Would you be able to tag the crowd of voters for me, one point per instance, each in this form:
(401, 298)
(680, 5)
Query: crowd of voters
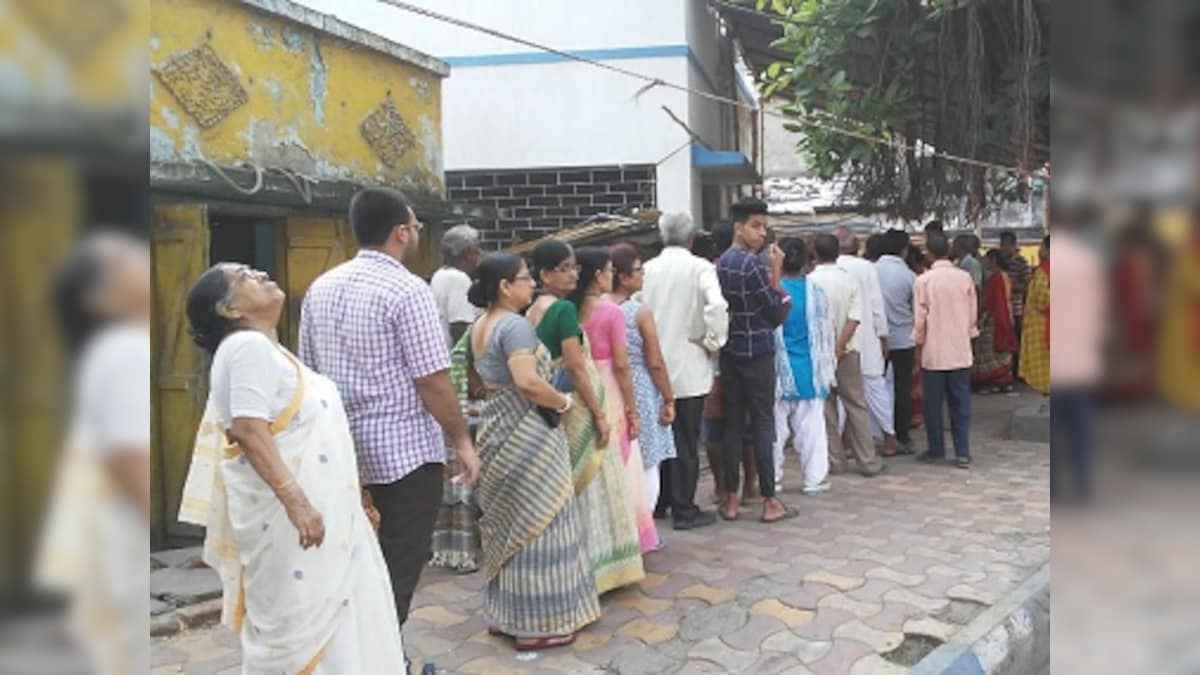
(574, 391)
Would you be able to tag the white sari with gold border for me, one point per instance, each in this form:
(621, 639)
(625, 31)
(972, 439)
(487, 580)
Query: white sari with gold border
(327, 609)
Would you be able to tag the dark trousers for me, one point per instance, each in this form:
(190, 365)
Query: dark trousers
(953, 387)
(679, 475)
(408, 509)
(901, 361)
(1072, 423)
(749, 393)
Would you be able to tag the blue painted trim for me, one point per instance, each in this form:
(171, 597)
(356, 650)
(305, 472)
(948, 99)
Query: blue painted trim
(703, 158)
(613, 54)
(525, 58)
(966, 664)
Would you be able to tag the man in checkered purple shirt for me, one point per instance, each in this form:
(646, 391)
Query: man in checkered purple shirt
(372, 327)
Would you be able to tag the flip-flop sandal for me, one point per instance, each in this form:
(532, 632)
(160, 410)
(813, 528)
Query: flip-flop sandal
(496, 632)
(549, 642)
(788, 514)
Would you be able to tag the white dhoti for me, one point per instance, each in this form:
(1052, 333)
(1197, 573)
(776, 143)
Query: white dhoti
(880, 402)
(804, 422)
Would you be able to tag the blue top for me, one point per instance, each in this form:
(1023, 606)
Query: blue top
(753, 305)
(896, 281)
(795, 338)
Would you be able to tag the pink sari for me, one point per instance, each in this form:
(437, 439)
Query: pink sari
(605, 330)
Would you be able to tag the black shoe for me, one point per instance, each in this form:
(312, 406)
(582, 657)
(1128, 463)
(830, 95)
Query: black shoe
(701, 519)
(929, 458)
(661, 514)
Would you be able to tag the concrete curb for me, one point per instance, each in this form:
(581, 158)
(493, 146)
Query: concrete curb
(198, 615)
(1010, 637)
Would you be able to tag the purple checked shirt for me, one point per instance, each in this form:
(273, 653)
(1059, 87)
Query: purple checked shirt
(372, 327)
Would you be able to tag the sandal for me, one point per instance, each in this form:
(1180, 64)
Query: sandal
(548, 642)
(496, 632)
(788, 514)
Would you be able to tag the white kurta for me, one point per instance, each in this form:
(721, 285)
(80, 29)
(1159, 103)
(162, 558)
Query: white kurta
(874, 320)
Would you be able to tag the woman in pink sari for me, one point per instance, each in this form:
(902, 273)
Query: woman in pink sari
(604, 323)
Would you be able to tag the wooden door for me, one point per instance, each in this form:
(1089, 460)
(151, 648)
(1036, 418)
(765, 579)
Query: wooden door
(311, 245)
(180, 256)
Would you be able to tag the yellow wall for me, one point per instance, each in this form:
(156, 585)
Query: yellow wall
(308, 92)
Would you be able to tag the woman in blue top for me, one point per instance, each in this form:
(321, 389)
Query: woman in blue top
(804, 367)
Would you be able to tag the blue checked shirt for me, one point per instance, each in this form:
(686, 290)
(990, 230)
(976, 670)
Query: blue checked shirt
(372, 327)
(754, 306)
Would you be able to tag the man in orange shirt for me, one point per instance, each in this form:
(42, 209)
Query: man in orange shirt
(944, 323)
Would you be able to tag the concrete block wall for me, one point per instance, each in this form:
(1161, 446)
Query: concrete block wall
(535, 202)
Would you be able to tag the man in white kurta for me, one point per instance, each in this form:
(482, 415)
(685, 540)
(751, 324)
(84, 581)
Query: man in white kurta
(871, 339)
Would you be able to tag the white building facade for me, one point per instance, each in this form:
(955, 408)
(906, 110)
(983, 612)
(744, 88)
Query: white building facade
(550, 141)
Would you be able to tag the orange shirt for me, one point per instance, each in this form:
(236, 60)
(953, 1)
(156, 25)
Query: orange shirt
(945, 317)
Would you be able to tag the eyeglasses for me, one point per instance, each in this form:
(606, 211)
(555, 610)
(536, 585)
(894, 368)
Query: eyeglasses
(523, 277)
(415, 225)
(567, 267)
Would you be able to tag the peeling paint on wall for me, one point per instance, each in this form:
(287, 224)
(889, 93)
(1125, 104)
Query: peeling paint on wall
(419, 85)
(162, 146)
(262, 36)
(170, 117)
(431, 140)
(316, 89)
(274, 88)
(293, 39)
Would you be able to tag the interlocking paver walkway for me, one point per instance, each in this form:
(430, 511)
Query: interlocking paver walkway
(921, 549)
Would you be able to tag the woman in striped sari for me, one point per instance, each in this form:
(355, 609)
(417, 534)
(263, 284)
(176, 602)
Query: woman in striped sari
(539, 588)
(610, 534)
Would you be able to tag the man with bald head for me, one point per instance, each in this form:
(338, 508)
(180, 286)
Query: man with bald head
(870, 340)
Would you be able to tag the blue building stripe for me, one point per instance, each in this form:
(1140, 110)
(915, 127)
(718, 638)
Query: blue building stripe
(525, 58)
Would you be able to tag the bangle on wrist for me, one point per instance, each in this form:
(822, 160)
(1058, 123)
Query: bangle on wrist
(284, 485)
(566, 404)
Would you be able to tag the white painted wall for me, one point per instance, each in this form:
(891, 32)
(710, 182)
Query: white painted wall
(562, 114)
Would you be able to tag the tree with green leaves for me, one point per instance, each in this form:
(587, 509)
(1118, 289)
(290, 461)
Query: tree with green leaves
(885, 91)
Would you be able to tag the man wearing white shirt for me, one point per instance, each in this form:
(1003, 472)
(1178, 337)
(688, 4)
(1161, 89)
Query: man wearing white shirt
(871, 338)
(683, 293)
(845, 303)
(461, 254)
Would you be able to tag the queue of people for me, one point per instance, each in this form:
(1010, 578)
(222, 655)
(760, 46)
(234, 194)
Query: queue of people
(585, 374)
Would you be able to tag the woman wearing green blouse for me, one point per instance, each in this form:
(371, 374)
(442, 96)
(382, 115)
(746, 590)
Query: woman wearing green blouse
(610, 533)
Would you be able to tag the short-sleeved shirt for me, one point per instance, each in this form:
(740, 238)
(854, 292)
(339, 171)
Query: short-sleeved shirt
(896, 281)
(372, 327)
(511, 334)
(560, 322)
(841, 288)
(450, 286)
(112, 391)
(753, 304)
(605, 329)
(251, 377)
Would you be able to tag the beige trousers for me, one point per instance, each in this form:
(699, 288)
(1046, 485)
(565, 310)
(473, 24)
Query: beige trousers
(851, 391)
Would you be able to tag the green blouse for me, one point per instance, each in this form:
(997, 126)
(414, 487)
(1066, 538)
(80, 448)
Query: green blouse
(560, 322)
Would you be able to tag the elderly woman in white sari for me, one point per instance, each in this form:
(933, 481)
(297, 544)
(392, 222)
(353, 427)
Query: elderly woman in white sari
(274, 480)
